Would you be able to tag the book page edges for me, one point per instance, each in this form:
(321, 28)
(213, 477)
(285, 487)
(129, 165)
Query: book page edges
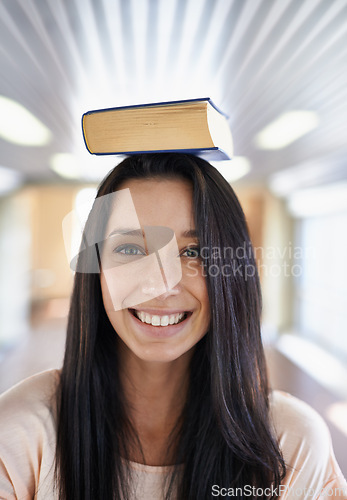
(156, 128)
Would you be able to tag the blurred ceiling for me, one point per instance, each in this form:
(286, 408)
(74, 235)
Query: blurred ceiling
(255, 58)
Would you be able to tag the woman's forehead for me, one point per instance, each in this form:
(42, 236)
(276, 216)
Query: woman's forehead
(152, 202)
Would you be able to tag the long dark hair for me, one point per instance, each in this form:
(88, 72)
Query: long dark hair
(226, 437)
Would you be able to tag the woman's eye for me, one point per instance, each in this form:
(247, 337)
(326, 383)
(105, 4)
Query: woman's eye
(191, 253)
(129, 250)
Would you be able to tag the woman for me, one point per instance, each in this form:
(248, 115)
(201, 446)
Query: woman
(163, 392)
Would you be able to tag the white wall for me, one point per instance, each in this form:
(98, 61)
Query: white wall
(15, 260)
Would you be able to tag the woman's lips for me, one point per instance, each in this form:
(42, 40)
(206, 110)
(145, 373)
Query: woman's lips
(159, 318)
(166, 323)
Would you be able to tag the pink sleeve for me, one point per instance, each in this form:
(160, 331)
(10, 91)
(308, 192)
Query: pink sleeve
(336, 486)
(304, 438)
(27, 439)
(6, 486)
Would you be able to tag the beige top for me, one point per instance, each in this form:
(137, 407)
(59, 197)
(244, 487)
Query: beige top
(28, 433)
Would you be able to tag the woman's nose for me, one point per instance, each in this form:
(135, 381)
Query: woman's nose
(161, 242)
(155, 291)
(160, 282)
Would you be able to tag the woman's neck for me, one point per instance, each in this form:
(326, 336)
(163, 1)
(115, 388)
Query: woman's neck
(156, 394)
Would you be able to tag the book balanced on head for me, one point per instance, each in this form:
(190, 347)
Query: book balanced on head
(192, 126)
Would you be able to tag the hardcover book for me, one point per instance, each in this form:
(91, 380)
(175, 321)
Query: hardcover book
(193, 126)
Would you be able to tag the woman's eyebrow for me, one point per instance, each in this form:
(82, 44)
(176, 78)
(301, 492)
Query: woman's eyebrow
(191, 233)
(127, 231)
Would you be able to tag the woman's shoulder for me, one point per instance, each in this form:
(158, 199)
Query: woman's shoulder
(296, 422)
(27, 436)
(289, 412)
(305, 442)
(29, 404)
(37, 391)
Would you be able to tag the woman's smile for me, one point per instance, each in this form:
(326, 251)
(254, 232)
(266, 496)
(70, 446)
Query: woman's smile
(160, 324)
(160, 318)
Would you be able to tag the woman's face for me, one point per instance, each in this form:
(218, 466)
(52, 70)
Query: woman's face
(152, 284)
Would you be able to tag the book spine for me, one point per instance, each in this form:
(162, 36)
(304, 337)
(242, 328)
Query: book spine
(217, 109)
(209, 154)
(149, 105)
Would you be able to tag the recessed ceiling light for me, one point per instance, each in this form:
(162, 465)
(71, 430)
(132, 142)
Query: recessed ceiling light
(286, 129)
(84, 167)
(9, 180)
(234, 169)
(66, 165)
(19, 126)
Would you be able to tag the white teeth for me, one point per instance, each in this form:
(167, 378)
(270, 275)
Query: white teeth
(141, 316)
(157, 320)
(164, 320)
